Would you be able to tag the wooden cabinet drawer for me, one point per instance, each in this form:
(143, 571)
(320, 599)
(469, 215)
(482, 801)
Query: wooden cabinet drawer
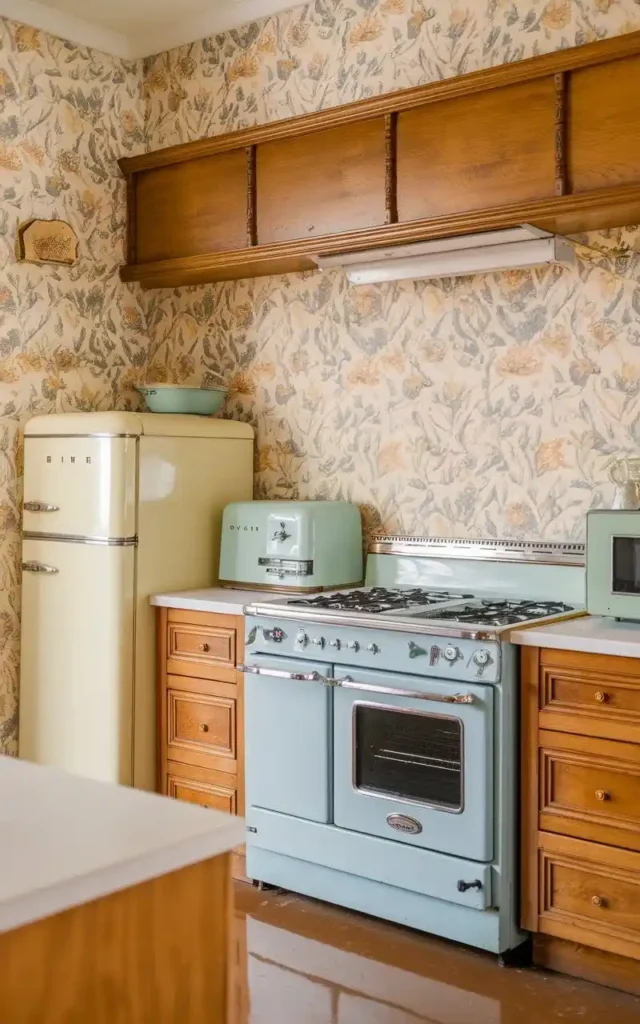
(590, 894)
(219, 798)
(589, 694)
(197, 647)
(202, 728)
(201, 786)
(590, 788)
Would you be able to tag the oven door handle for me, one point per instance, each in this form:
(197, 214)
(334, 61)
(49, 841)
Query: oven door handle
(256, 670)
(348, 684)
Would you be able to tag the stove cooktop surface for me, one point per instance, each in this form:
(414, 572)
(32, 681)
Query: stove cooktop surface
(376, 600)
(496, 612)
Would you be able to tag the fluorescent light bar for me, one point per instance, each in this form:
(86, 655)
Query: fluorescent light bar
(464, 262)
(523, 233)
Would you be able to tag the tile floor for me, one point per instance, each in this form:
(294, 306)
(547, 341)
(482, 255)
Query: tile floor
(303, 962)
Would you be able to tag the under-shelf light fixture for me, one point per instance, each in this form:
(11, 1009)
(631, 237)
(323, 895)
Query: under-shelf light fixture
(488, 251)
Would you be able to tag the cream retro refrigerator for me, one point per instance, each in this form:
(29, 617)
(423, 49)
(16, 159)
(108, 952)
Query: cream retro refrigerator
(117, 506)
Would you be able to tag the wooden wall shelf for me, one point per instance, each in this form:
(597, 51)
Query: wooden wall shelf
(552, 141)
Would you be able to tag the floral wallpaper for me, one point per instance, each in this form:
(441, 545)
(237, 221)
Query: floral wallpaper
(69, 337)
(484, 406)
(481, 406)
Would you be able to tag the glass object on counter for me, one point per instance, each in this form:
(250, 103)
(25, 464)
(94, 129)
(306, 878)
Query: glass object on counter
(625, 474)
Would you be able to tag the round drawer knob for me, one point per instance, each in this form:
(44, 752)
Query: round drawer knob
(204, 647)
(598, 901)
(601, 794)
(204, 727)
(601, 697)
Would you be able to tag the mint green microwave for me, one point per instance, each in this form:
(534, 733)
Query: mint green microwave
(613, 563)
(291, 545)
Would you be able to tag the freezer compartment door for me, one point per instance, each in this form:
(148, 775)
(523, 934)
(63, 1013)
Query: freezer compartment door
(76, 677)
(80, 486)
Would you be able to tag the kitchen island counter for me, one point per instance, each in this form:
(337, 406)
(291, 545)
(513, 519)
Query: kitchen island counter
(589, 634)
(115, 904)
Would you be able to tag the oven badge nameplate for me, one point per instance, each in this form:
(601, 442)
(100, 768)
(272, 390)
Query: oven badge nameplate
(403, 823)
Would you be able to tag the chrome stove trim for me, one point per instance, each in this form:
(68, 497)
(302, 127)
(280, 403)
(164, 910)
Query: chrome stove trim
(357, 620)
(541, 552)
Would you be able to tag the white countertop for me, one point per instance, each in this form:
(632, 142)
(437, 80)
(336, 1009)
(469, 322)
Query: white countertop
(66, 840)
(222, 600)
(591, 634)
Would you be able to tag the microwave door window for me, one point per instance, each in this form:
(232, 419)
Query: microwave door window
(626, 565)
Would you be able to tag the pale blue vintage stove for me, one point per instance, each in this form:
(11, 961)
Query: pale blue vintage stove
(382, 733)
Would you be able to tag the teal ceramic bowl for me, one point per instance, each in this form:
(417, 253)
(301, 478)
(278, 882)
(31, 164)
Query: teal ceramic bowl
(182, 399)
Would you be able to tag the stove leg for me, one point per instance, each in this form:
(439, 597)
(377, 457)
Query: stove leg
(265, 886)
(521, 956)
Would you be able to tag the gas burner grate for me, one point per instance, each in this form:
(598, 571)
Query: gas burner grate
(490, 612)
(374, 600)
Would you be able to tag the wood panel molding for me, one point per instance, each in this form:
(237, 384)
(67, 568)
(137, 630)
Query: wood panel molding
(498, 77)
(563, 214)
(553, 141)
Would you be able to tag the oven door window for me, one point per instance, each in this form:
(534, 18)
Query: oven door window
(409, 755)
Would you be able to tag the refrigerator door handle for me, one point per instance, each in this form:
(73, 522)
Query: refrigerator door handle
(38, 567)
(40, 506)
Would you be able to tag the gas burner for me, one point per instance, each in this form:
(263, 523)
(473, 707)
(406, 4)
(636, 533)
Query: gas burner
(375, 600)
(494, 612)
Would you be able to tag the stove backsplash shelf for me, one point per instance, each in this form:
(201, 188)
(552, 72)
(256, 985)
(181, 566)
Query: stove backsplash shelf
(541, 552)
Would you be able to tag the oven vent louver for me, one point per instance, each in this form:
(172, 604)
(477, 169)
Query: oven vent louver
(547, 552)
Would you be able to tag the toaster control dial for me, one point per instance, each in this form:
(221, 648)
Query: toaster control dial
(302, 639)
(276, 634)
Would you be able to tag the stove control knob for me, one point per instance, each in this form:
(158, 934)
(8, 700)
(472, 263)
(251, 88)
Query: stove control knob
(319, 641)
(482, 658)
(302, 639)
(373, 648)
(335, 643)
(276, 634)
(451, 653)
(353, 645)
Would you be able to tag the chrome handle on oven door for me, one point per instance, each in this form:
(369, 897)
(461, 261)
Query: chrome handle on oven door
(256, 670)
(38, 567)
(454, 698)
(40, 506)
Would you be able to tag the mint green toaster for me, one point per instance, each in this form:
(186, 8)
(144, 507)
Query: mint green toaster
(291, 545)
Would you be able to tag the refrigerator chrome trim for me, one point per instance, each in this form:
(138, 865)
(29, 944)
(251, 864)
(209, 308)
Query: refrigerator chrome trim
(45, 436)
(541, 552)
(75, 538)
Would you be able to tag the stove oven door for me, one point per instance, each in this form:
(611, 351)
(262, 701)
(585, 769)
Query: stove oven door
(413, 764)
